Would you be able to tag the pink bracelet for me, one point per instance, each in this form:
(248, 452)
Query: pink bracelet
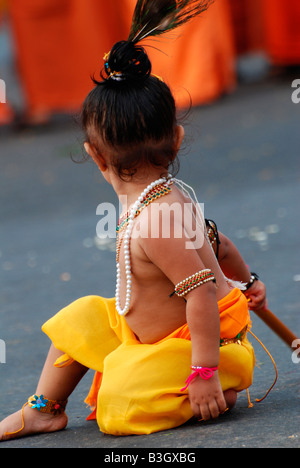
(205, 373)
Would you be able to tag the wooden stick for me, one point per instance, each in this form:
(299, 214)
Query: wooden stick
(277, 326)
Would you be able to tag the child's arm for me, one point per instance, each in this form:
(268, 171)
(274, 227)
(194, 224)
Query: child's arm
(235, 268)
(206, 396)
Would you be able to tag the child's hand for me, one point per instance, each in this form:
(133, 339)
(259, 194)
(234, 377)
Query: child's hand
(256, 296)
(207, 398)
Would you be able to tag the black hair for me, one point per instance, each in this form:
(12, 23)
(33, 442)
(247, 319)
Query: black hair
(132, 111)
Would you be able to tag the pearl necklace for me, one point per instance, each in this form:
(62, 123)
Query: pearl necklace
(126, 241)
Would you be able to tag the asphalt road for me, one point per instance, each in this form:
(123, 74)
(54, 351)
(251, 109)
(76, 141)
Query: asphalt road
(242, 157)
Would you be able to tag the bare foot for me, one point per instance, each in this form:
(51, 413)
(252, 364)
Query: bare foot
(34, 423)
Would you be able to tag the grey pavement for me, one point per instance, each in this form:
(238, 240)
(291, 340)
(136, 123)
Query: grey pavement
(242, 157)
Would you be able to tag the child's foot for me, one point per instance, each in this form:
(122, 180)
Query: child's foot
(230, 397)
(34, 423)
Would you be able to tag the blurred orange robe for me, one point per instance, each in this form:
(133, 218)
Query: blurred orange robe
(282, 31)
(247, 20)
(272, 26)
(6, 112)
(60, 44)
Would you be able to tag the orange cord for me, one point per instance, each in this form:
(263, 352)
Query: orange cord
(23, 423)
(250, 404)
(275, 367)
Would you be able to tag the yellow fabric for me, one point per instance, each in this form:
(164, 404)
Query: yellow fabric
(138, 391)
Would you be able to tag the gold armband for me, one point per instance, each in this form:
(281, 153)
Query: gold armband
(192, 282)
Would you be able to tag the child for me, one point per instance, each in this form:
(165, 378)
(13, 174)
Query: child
(174, 307)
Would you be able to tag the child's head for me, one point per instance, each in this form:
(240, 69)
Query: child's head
(131, 114)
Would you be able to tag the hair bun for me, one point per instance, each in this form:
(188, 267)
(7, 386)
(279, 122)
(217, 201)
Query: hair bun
(127, 61)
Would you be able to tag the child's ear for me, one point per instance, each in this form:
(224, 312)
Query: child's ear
(179, 136)
(97, 158)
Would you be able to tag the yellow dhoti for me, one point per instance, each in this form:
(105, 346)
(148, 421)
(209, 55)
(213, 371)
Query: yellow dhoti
(136, 389)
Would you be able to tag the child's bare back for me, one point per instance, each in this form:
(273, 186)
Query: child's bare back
(158, 252)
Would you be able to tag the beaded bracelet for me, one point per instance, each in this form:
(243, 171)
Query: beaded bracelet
(45, 405)
(254, 277)
(205, 373)
(192, 282)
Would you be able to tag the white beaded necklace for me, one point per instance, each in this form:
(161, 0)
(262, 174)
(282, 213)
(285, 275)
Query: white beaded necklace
(126, 240)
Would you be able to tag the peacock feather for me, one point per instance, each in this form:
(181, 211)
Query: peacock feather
(155, 17)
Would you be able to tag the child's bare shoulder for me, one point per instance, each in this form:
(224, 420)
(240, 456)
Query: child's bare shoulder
(162, 215)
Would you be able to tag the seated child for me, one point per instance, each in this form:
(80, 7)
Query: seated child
(175, 309)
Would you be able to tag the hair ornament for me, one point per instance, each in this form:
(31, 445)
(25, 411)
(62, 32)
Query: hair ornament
(158, 77)
(117, 76)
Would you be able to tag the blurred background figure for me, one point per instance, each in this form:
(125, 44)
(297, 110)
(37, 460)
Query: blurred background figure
(6, 112)
(269, 26)
(247, 25)
(59, 44)
(282, 31)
